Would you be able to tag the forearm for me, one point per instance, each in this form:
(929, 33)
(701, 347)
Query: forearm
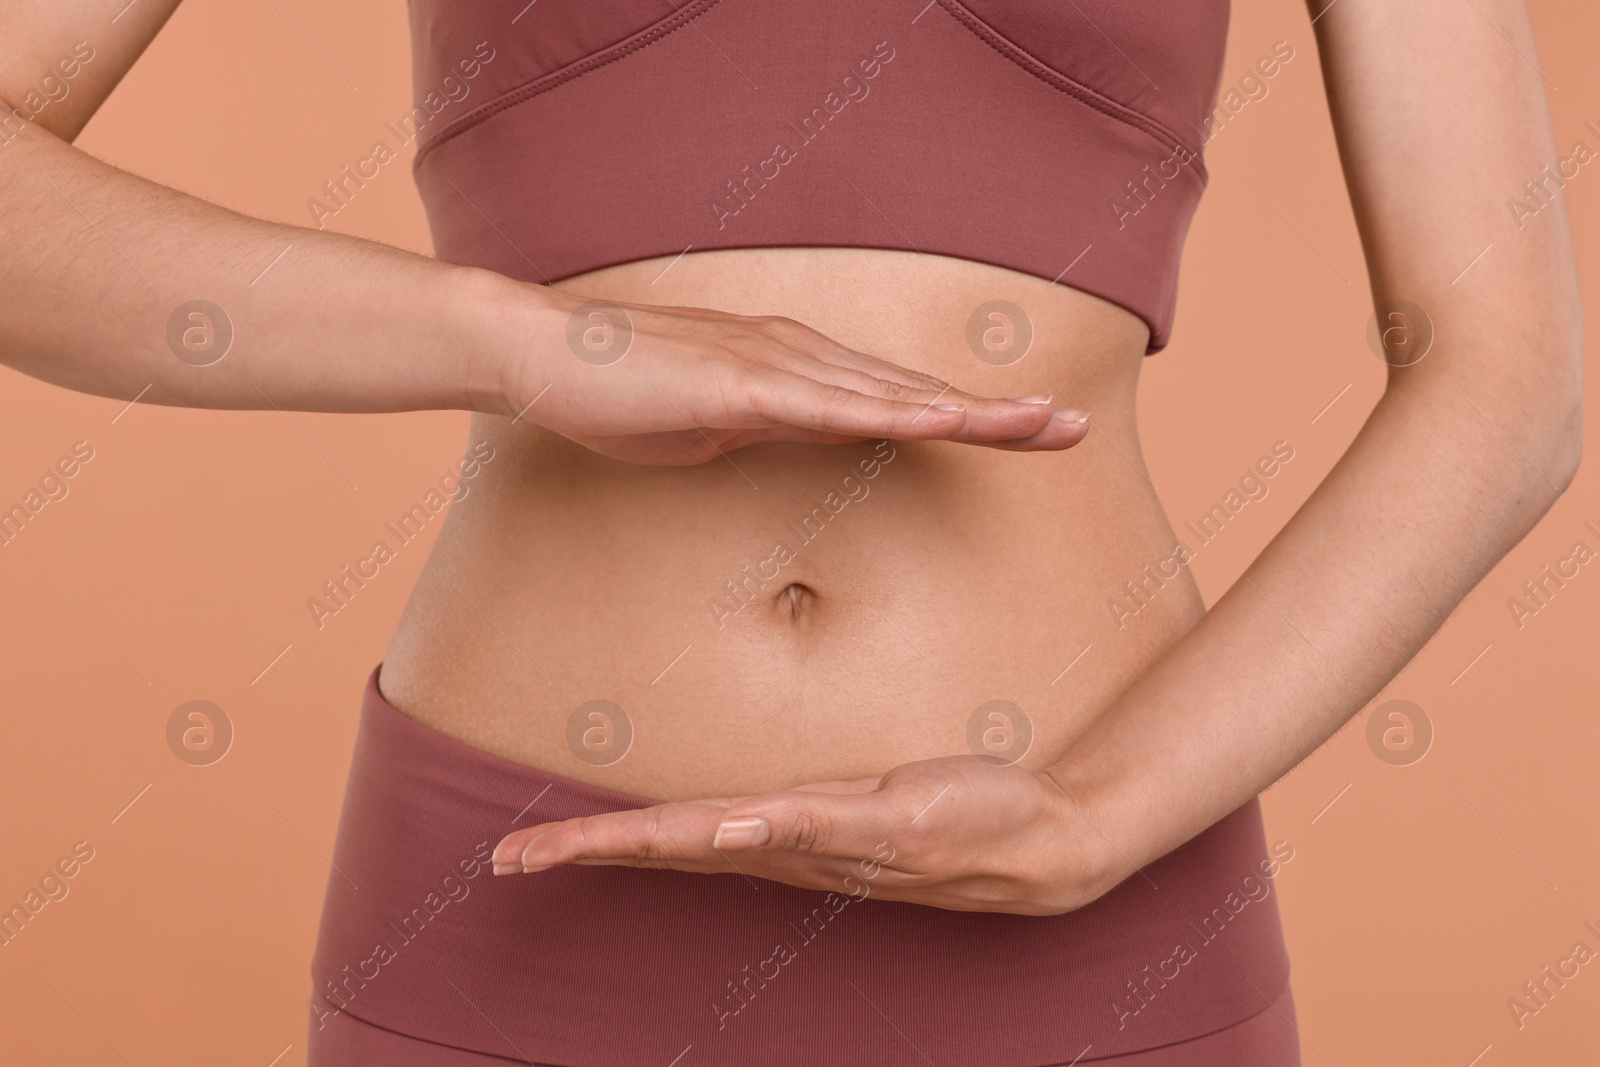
(1466, 450)
(1427, 499)
(98, 263)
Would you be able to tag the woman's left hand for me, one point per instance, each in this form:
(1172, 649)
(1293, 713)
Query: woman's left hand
(961, 833)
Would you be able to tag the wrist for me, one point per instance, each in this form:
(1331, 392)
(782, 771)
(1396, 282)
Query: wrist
(1094, 832)
(514, 330)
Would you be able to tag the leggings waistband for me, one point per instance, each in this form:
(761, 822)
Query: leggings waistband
(592, 966)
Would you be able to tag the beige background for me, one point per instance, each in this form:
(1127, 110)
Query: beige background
(179, 564)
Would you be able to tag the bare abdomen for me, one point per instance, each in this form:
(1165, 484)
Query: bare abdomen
(799, 613)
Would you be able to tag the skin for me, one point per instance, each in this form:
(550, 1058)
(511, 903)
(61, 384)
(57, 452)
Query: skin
(1183, 722)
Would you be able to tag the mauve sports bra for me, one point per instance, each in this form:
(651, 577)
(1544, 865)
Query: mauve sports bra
(1060, 138)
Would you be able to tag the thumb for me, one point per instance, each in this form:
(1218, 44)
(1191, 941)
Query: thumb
(844, 824)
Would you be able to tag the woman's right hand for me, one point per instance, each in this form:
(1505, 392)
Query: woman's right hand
(679, 385)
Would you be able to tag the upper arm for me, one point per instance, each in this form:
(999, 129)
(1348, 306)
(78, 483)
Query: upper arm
(60, 59)
(1441, 119)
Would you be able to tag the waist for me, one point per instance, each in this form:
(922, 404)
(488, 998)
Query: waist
(796, 613)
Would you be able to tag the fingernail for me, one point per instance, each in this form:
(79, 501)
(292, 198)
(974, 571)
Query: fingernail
(536, 870)
(1036, 398)
(1070, 415)
(951, 407)
(507, 868)
(745, 832)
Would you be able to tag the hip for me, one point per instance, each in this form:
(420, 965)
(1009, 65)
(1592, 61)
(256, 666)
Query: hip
(583, 965)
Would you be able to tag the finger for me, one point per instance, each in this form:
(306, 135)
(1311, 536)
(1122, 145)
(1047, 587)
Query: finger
(864, 375)
(654, 838)
(836, 786)
(1041, 424)
(805, 352)
(861, 362)
(839, 409)
(880, 378)
(690, 447)
(675, 831)
(845, 825)
(989, 418)
(665, 835)
(893, 388)
(1064, 431)
(822, 348)
(791, 434)
(1058, 434)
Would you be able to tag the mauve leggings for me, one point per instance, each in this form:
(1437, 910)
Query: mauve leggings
(427, 960)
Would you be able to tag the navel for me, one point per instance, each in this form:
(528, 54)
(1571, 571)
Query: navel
(795, 599)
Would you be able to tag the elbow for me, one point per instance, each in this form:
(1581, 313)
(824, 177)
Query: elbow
(1556, 448)
(1565, 446)
(1530, 418)
(1543, 401)
(1567, 449)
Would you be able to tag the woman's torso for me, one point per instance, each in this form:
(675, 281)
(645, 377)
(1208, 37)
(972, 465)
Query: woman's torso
(932, 578)
(880, 171)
